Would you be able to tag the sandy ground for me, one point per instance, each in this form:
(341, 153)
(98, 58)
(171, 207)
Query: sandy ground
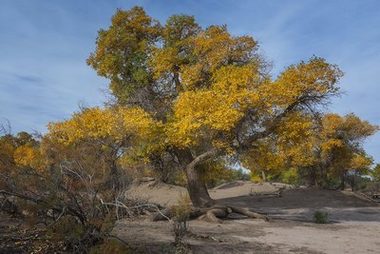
(167, 195)
(354, 227)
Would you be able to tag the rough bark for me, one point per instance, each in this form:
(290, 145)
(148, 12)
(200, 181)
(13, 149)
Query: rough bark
(197, 189)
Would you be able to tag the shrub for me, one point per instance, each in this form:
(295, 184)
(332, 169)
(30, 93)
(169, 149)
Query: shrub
(181, 213)
(321, 217)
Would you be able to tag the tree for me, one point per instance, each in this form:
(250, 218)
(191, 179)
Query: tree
(341, 149)
(322, 149)
(20, 150)
(376, 173)
(209, 90)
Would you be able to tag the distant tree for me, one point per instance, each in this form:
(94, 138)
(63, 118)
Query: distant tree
(375, 173)
(341, 149)
(20, 150)
(319, 149)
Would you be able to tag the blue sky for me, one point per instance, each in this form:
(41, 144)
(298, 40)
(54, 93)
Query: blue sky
(44, 45)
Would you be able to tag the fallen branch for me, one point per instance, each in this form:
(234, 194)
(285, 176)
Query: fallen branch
(266, 194)
(119, 204)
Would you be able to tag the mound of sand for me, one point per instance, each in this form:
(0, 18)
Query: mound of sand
(167, 195)
(156, 192)
(244, 188)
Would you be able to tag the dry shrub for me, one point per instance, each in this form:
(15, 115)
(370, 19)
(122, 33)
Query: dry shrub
(181, 217)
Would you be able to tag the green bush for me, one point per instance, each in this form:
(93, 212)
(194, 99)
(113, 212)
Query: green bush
(321, 217)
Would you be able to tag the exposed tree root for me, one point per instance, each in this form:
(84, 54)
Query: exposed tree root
(211, 214)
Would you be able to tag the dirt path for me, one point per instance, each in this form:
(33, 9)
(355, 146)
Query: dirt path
(346, 237)
(252, 236)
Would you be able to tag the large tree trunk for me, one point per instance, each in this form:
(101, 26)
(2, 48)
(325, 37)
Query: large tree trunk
(204, 206)
(324, 178)
(353, 181)
(343, 181)
(313, 178)
(197, 189)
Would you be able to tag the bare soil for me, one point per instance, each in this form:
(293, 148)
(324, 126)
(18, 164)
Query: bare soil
(354, 223)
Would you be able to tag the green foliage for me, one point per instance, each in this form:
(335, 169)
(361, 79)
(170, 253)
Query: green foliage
(321, 217)
(122, 52)
(331, 183)
(256, 179)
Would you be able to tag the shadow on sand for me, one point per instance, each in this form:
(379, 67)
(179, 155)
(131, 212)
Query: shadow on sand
(300, 204)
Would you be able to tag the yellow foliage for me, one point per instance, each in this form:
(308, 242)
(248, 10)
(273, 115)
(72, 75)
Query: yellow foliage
(213, 49)
(360, 162)
(256, 178)
(291, 147)
(28, 156)
(217, 108)
(316, 78)
(341, 139)
(96, 123)
(204, 81)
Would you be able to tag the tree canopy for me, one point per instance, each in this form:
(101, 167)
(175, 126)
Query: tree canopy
(210, 92)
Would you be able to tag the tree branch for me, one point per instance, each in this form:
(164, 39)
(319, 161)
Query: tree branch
(202, 157)
(271, 127)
